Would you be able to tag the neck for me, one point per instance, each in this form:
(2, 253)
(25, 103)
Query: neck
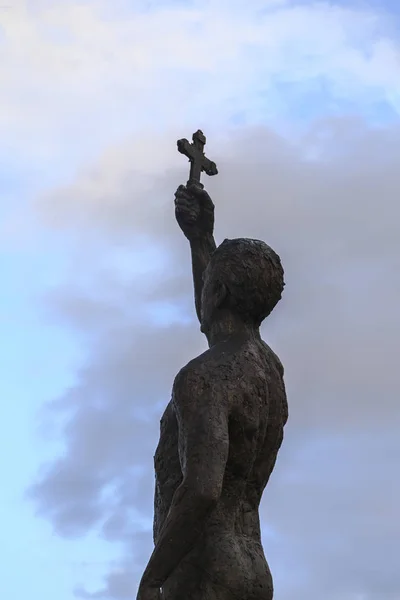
(230, 328)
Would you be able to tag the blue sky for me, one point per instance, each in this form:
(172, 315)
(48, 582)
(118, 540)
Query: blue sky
(93, 103)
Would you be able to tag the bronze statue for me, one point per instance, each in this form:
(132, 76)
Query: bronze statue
(222, 429)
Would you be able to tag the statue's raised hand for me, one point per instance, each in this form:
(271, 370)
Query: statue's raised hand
(194, 211)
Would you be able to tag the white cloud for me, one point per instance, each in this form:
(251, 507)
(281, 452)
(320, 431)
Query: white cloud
(70, 69)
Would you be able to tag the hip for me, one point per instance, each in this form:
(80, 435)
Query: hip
(223, 565)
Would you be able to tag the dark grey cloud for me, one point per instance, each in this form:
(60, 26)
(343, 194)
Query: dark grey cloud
(331, 512)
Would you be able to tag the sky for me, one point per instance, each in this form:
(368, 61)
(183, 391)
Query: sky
(300, 104)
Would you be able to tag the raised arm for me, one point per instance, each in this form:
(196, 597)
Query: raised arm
(194, 211)
(202, 415)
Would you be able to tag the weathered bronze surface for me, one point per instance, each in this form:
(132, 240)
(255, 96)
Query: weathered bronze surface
(222, 429)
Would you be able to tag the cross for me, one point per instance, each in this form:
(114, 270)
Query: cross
(198, 161)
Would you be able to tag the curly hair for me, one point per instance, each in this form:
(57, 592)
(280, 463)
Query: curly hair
(253, 275)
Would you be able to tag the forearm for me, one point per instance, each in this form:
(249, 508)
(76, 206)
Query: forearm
(201, 249)
(182, 527)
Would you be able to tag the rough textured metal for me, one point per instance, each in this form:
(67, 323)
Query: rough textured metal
(198, 161)
(221, 431)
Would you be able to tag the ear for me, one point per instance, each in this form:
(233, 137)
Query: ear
(221, 294)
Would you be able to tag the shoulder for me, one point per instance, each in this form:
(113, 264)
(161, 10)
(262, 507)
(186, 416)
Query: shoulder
(191, 381)
(197, 373)
(199, 383)
(168, 417)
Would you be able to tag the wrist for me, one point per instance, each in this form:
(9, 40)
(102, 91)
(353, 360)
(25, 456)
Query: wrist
(201, 239)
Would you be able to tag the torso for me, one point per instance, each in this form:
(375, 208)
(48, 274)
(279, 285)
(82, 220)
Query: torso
(258, 412)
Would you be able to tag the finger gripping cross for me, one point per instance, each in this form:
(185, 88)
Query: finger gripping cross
(198, 161)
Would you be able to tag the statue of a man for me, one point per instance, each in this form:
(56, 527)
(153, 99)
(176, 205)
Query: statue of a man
(222, 429)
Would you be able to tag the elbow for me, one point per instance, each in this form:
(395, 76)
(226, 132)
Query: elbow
(204, 496)
(208, 498)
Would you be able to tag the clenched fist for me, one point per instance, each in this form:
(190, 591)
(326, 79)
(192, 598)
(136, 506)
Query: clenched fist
(194, 211)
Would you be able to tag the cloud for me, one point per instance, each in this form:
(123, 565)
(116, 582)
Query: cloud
(96, 94)
(331, 508)
(101, 71)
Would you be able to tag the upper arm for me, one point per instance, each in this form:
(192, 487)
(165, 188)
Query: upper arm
(202, 413)
(167, 468)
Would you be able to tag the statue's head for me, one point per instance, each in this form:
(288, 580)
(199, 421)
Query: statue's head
(245, 278)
